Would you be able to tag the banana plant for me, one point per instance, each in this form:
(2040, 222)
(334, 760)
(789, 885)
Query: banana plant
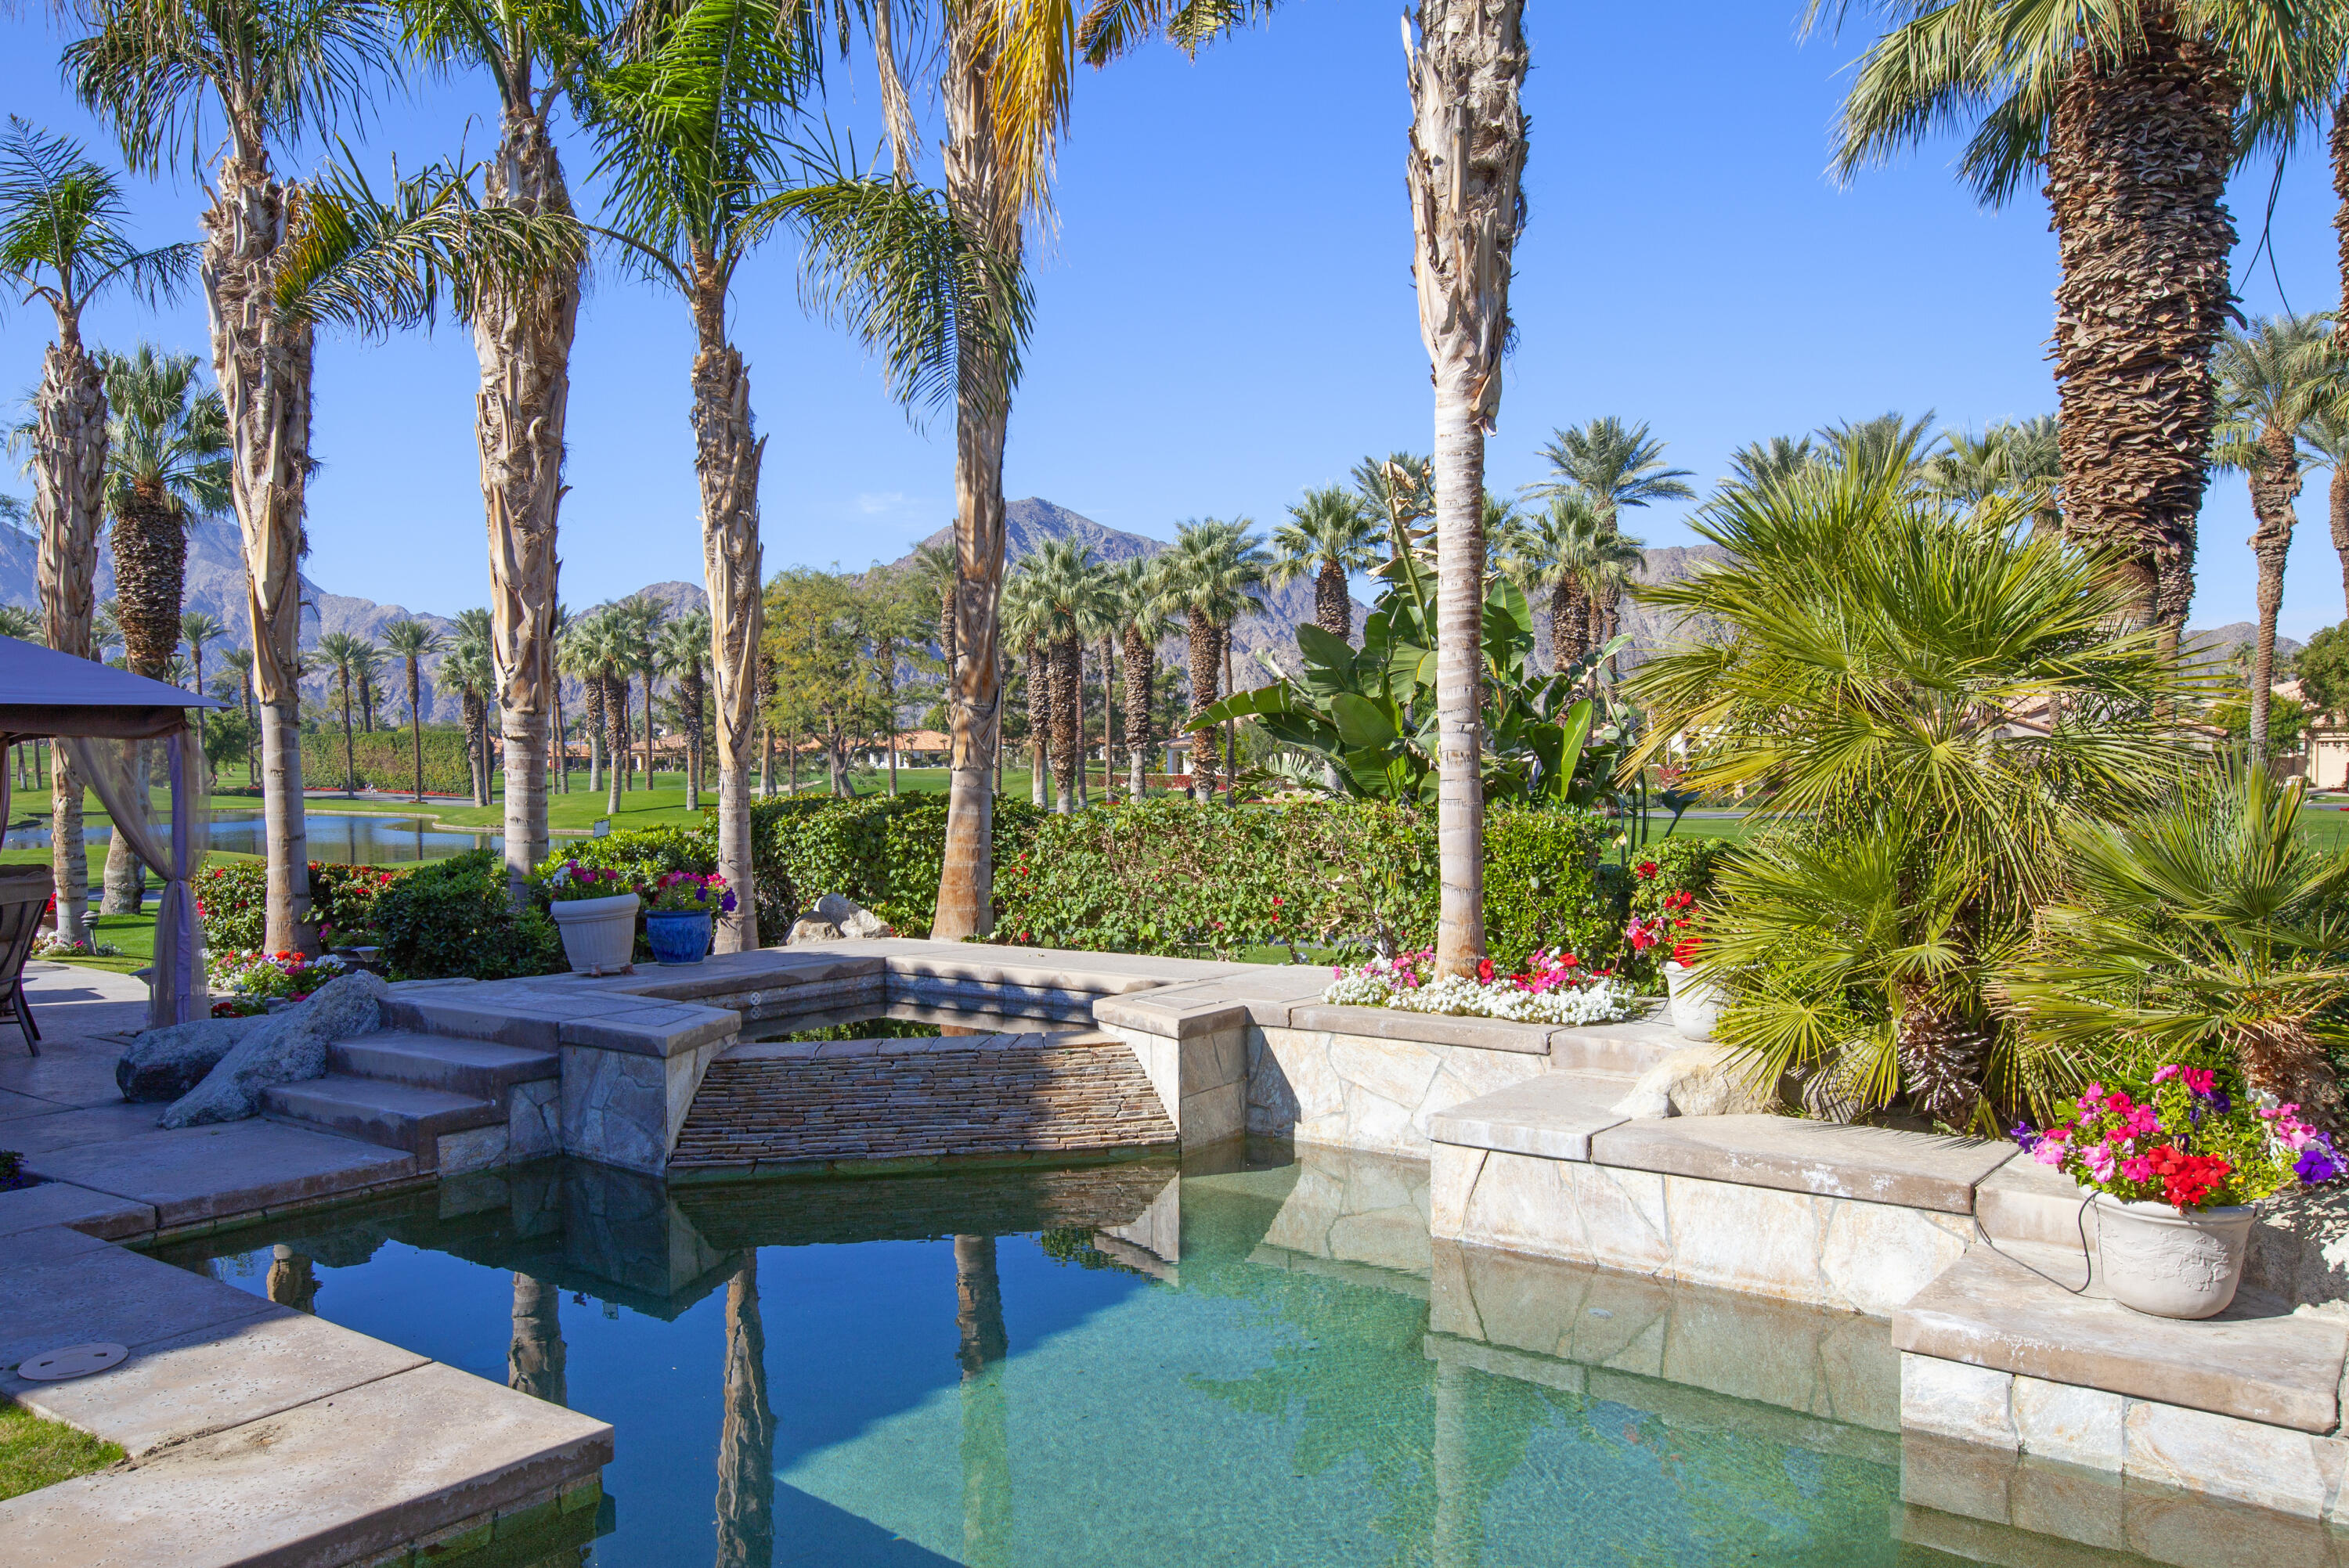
(1370, 715)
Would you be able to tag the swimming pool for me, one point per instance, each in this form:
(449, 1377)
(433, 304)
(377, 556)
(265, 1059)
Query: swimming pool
(1255, 1358)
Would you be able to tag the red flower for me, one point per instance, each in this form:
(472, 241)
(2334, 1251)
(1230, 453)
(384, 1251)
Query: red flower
(2187, 1179)
(1484, 972)
(1647, 871)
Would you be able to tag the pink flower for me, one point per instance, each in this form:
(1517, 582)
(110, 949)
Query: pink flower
(2099, 1161)
(2138, 1168)
(2049, 1150)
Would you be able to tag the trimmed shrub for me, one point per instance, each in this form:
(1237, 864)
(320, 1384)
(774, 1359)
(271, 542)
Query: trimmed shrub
(232, 900)
(884, 852)
(386, 759)
(449, 918)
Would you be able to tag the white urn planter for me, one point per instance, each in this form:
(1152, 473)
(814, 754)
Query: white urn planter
(1695, 1003)
(2168, 1262)
(599, 934)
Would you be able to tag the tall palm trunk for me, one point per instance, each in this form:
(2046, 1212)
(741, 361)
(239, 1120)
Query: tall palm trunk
(592, 692)
(1231, 725)
(888, 663)
(523, 344)
(726, 462)
(151, 559)
(1040, 723)
(986, 1446)
(68, 468)
(616, 741)
(535, 1358)
(558, 746)
(975, 200)
(350, 761)
(1467, 154)
(693, 695)
(1109, 716)
(2136, 168)
(2276, 485)
(745, 1435)
(1201, 641)
(415, 726)
(648, 724)
(262, 362)
(1067, 759)
(1141, 675)
(1569, 621)
(477, 741)
(1333, 608)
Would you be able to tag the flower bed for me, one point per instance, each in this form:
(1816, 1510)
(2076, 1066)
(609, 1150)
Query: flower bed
(253, 979)
(1553, 988)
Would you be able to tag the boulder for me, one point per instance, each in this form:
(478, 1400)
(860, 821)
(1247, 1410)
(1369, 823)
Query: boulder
(283, 1048)
(852, 918)
(1703, 1080)
(808, 928)
(161, 1065)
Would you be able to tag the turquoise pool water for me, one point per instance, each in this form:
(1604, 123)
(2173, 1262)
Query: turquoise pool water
(1260, 1361)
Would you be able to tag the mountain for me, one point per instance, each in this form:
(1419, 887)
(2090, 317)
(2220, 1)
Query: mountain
(2221, 641)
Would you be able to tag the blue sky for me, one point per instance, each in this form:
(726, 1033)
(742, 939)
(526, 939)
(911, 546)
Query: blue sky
(1225, 314)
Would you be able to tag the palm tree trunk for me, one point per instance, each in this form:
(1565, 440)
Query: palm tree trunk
(746, 1436)
(2276, 485)
(68, 469)
(592, 691)
(1467, 154)
(975, 200)
(350, 763)
(648, 725)
(1141, 674)
(2137, 173)
(264, 362)
(150, 555)
(1068, 749)
(1109, 716)
(536, 1359)
(615, 741)
(557, 743)
(416, 728)
(1333, 608)
(1040, 723)
(889, 705)
(693, 737)
(1570, 622)
(726, 460)
(766, 761)
(1201, 641)
(1231, 725)
(986, 1445)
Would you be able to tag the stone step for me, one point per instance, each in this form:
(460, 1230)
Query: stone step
(2027, 1202)
(1630, 1047)
(479, 1070)
(391, 1115)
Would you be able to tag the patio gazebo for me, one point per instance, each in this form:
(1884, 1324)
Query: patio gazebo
(94, 711)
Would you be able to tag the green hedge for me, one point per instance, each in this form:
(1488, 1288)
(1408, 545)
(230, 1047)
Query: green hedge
(232, 899)
(1172, 876)
(884, 852)
(448, 918)
(386, 759)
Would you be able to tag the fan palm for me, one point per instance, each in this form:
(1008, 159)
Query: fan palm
(64, 241)
(1065, 583)
(2079, 93)
(1615, 466)
(532, 50)
(642, 618)
(1760, 464)
(468, 669)
(1889, 440)
(2211, 924)
(1134, 593)
(1330, 534)
(411, 642)
(1025, 617)
(1919, 703)
(197, 630)
(341, 655)
(238, 661)
(1566, 551)
(167, 464)
(1213, 574)
(683, 654)
(2273, 377)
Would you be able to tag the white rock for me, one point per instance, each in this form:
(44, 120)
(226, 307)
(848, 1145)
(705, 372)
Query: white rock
(852, 918)
(1703, 1080)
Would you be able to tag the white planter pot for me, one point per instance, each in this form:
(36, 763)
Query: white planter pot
(2169, 1264)
(599, 934)
(1695, 1003)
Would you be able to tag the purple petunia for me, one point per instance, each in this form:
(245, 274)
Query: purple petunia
(2317, 1162)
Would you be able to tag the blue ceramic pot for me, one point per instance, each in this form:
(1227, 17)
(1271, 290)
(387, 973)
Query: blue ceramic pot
(678, 937)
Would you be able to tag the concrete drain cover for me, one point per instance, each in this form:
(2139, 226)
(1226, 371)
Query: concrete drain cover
(73, 1361)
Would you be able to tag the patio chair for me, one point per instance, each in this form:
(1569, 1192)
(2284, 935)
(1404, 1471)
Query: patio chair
(23, 894)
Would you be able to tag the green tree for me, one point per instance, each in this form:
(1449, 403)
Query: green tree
(2323, 668)
(2273, 377)
(411, 642)
(1329, 534)
(1613, 466)
(1567, 551)
(1917, 703)
(684, 656)
(1213, 573)
(343, 654)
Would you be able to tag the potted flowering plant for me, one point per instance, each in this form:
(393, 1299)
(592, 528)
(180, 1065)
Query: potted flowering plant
(677, 922)
(1696, 1002)
(594, 907)
(2177, 1162)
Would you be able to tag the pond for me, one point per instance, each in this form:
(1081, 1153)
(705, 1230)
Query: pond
(350, 839)
(1256, 1358)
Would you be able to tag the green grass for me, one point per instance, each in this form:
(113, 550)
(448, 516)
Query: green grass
(34, 1454)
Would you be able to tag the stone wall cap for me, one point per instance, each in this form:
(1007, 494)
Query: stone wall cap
(2254, 1361)
(1552, 1116)
(1873, 1164)
(1426, 1028)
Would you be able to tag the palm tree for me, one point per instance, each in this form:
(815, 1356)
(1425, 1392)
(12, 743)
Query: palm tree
(1213, 573)
(1566, 551)
(238, 661)
(1025, 617)
(196, 630)
(603, 653)
(578, 654)
(1066, 584)
(2078, 93)
(1890, 439)
(2272, 377)
(684, 656)
(1614, 465)
(343, 654)
(937, 567)
(559, 740)
(1877, 654)
(2326, 438)
(522, 339)
(640, 620)
(1138, 590)
(1330, 534)
(63, 242)
(471, 670)
(1757, 465)
(271, 69)
(410, 642)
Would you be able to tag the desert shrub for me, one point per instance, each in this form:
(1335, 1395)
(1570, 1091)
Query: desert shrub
(449, 918)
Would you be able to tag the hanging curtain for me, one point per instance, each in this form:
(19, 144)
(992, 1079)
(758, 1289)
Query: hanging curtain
(176, 988)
